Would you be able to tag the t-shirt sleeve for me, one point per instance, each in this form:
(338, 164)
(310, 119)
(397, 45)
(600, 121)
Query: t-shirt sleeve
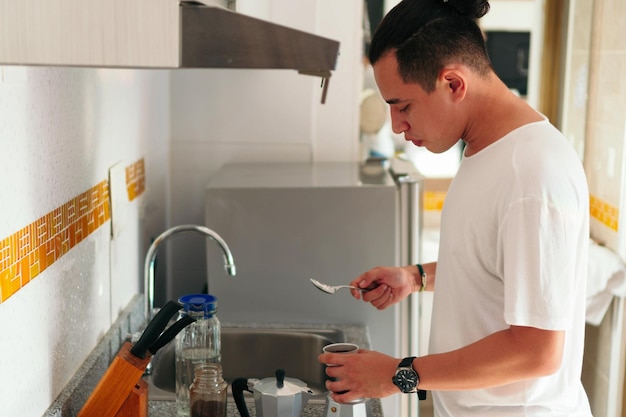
(537, 253)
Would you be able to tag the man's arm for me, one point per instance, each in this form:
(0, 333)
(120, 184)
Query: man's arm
(507, 356)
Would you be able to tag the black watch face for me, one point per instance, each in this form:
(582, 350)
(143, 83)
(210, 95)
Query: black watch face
(406, 380)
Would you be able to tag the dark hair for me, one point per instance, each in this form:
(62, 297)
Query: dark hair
(429, 34)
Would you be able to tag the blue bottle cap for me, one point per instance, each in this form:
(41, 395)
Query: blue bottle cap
(206, 303)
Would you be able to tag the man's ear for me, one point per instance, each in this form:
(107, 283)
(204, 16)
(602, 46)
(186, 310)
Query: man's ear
(455, 83)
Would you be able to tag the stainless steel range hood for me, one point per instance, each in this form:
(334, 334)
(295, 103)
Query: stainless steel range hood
(148, 34)
(212, 37)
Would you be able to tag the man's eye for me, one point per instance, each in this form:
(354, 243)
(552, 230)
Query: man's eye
(404, 109)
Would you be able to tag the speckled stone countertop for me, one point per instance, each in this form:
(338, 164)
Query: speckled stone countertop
(168, 408)
(76, 392)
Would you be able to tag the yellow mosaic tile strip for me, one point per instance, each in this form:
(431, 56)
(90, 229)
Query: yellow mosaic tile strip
(606, 213)
(433, 200)
(135, 180)
(29, 251)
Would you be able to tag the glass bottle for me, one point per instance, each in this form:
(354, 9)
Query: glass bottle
(208, 392)
(198, 343)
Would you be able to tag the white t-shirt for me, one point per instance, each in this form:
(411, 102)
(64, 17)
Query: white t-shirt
(513, 251)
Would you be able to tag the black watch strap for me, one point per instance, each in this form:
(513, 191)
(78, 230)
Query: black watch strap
(421, 394)
(406, 362)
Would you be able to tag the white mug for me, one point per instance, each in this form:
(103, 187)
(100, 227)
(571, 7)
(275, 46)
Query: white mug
(346, 348)
(340, 348)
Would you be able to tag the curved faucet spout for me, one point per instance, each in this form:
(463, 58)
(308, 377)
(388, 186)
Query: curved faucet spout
(151, 256)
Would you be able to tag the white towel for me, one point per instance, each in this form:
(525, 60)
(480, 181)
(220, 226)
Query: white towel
(607, 278)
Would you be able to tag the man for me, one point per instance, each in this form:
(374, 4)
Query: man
(508, 317)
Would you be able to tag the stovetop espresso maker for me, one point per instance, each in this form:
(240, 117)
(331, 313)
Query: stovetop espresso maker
(356, 408)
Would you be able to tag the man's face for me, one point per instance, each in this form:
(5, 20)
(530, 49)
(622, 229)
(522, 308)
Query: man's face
(424, 118)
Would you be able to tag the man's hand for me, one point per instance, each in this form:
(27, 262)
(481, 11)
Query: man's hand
(365, 374)
(392, 285)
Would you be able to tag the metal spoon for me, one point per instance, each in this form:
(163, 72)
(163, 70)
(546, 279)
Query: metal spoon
(331, 289)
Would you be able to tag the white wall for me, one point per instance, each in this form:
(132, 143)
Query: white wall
(602, 107)
(528, 18)
(221, 116)
(60, 131)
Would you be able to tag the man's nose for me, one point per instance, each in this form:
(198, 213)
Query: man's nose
(398, 124)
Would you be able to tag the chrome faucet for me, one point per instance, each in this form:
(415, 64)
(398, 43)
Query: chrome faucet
(151, 256)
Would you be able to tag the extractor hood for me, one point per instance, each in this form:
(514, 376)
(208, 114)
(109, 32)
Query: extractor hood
(212, 37)
(154, 34)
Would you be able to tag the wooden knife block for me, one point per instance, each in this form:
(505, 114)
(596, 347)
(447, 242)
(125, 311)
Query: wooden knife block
(120, 388)
(136, 404)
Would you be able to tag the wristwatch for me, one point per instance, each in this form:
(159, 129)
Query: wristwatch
(407, 379)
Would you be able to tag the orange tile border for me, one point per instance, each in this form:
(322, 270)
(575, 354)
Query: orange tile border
(599, 209)
(32, 249)
(29, 251)
(135, 180)
(433, 200)
(604, 212)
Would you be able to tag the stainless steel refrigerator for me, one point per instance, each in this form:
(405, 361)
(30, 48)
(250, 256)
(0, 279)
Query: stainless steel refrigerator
(288, 222)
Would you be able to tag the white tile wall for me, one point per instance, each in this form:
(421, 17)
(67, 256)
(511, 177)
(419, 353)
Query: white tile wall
(606, 119)
(599, 116)
(60, 131)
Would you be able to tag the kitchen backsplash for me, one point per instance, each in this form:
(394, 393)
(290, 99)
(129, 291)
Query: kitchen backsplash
(605, 123)
(604, 212)
(65, 272)
(135, 179)
(30, 250)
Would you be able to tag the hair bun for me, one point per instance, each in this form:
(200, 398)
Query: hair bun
(474, 9)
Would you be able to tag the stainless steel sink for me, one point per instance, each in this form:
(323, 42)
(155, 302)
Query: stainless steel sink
(257, 353)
